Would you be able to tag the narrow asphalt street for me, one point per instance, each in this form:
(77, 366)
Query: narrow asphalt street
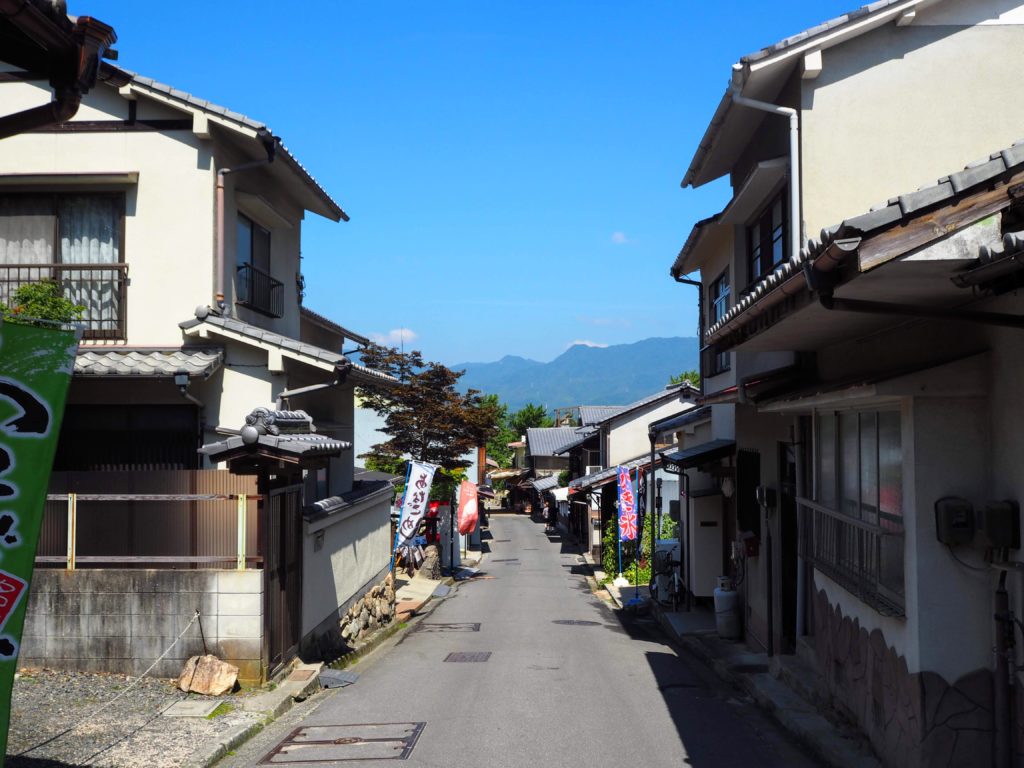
(550, 676)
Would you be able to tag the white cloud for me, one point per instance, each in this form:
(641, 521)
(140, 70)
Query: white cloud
(396, 337)
(619, 238)
(586, 343)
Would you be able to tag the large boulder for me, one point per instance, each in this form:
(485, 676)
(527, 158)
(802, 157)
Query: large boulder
(208, 675)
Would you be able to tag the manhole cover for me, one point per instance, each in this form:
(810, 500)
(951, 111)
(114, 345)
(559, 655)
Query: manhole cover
(577, 622)
(464, 626)
(463, 656)
(337, 743)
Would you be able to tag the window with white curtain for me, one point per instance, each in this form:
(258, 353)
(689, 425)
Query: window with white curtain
(80, 235)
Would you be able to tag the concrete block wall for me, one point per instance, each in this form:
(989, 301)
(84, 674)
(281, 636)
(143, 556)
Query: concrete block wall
(120, 620)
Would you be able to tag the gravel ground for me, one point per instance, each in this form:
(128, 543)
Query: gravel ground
(130, 732)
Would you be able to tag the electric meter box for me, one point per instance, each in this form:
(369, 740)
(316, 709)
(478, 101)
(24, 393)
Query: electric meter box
(999, 524)
(954, 521)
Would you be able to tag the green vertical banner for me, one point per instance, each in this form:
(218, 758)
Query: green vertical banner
(35, 370)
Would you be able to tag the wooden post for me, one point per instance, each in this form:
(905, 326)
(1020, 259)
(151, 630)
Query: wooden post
(241, 531)
(72, 525)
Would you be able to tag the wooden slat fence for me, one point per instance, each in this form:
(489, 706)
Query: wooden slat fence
(164, 518)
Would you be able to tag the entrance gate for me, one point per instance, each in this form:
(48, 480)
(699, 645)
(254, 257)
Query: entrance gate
(283, 575)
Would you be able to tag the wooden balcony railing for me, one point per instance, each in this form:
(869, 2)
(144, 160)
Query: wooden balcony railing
(259, 291)
(102, 289)
(865, 559)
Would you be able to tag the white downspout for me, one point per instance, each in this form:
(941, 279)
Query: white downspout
(794, 162)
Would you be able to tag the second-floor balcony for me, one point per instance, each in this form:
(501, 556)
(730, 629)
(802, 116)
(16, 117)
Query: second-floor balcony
(100, 289)
(258, 291)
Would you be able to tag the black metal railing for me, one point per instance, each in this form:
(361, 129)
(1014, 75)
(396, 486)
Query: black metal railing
(259, 291)
(864, 559)
(100, 289)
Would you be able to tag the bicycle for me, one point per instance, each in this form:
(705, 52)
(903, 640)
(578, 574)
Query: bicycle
(669, 568)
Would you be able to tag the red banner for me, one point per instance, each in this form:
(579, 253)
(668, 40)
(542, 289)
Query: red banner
(467, 507)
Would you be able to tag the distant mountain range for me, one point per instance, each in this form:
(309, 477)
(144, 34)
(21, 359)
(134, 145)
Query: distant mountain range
(584, 375)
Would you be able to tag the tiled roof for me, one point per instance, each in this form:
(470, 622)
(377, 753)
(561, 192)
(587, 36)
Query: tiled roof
(680, 420)
(671, 391)
(944, 191)
(359, 373)
(546, 441)
(819, 37)
(607, 475)
(820, 29)
(369, 489)
(582, 435)
(288, 434)
(542, 484)
(156, 363)
(698, 455)
(330, 325)
(167, 91)
(592, 414)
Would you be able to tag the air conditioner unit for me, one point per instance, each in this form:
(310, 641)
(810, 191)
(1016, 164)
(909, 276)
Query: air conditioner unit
(593, 469)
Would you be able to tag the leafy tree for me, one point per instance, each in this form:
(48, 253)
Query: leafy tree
(692, 376)
(497, 446)
(43, 300)
(528, 417)
(425, 416)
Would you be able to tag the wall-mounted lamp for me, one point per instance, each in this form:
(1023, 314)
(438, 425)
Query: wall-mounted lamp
(728, 487)
(181, 380)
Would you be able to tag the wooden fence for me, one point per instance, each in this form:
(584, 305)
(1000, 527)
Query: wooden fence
(203, 518)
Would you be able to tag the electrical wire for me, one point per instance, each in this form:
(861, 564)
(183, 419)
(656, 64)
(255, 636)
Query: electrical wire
(965, 565)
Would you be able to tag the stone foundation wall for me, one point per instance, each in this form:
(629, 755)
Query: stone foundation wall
(121, 620)
(913, 719)
(372, 611)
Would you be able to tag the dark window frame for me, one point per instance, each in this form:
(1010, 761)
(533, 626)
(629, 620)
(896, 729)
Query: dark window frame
(255, 286)
(761, 255)
(719, 293)
(861, 547)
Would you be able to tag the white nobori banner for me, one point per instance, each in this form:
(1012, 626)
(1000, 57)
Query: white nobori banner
(417, 498)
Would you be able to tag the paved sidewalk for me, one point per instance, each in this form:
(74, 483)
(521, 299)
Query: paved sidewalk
(784, 686)
(60, 719)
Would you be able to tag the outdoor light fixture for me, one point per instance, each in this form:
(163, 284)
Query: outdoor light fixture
(181, 380)
(728, 487)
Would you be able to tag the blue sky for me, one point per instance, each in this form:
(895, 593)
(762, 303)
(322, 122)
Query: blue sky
(511, 169)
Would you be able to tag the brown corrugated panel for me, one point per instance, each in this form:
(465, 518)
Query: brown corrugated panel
(152, 528)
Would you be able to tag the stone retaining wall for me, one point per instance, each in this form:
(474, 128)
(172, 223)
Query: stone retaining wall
(121, 620)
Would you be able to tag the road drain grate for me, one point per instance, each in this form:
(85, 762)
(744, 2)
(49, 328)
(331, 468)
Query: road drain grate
(507, 560)
(577, 622)
(501, 541)
(463, 656)
(339, 743)
(464, 626)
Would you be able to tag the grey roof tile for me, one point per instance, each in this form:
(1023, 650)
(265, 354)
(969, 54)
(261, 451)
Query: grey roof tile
(980, 172)
(135, 363)
(592, 414)
(359, 373)
(818, 29)
(930, 195)
(665, 394)
(227, 114)
(546, 441)
(974, 175)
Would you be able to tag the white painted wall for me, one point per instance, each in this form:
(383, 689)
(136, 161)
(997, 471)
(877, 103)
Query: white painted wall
(628, 436)
(356, 548)
(903, 106)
